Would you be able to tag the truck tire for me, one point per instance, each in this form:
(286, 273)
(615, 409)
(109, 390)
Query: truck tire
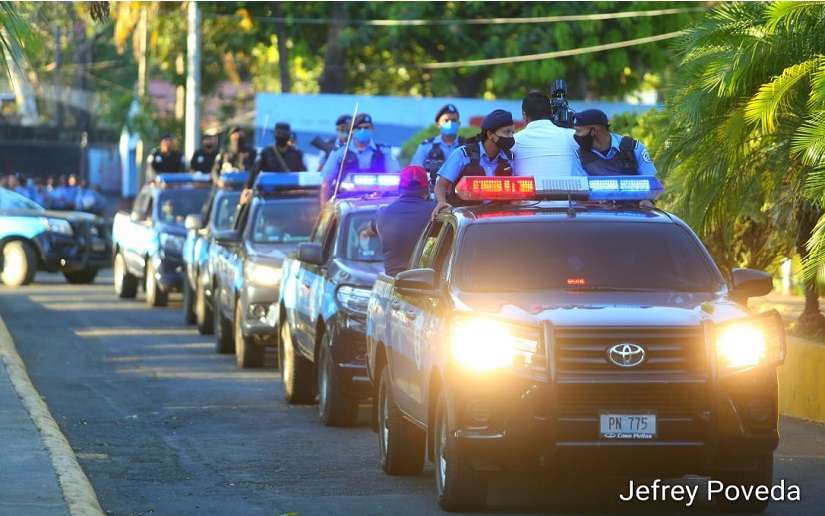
(81, 277)
(125, 283)
(224, 343)
(19, 264)
(760, 474)
(155, 297)
(188, 303)
(459, 486)
(400, 443)
(203, 312)
(335, 407)
(296, 371)
(247, 353)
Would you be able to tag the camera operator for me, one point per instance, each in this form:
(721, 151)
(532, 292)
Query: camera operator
(543, 148)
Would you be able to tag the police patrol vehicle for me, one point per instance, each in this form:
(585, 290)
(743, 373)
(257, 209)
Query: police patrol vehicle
(31, 238)
(596, 334)
(218, 214)
(248, 258)
(148, 241)
(323, 301)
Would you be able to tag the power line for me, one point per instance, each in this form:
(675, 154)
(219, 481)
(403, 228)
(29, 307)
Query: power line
(554, 54)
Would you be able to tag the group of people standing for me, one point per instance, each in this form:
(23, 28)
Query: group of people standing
(58, 193)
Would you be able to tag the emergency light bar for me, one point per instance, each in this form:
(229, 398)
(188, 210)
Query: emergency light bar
(624, 188)
(364, 183)
(182, 179)
(582, 188)
(272, 182)
(483, 188)
(233, 180)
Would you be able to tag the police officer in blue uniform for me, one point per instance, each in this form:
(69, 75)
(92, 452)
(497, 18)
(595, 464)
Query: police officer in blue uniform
(603, 153)
(432, 152)
(362, 155)
(164, 158)
(342, 125)
(487, 154)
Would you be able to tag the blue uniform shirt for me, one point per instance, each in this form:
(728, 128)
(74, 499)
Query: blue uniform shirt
(424, 149)
(333, 164)
(458, 160)
(646, 166)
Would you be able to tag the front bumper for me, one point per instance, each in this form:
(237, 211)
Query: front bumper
(257, 305)
(169, 272)
(73, 253)
(349, 351)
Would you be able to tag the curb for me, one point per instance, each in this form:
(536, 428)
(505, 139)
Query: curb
(77, 490)
(802, 380)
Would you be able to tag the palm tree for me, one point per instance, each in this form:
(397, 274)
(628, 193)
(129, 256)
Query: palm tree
(745, 128)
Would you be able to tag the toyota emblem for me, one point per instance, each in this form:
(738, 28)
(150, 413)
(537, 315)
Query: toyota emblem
(626, 354)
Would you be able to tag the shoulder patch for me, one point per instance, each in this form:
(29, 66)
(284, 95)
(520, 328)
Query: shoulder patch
(646, 156)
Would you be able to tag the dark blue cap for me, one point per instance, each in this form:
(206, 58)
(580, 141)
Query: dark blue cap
(362, 118)
(343, 119)
(591, 117)
(449, 108)
(282, 126)
(496, 119)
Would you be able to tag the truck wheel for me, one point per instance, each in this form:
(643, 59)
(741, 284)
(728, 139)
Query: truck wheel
(459, 486)
(203, 312)
(400, 443)
(761, 474)
(335, 407)
(224, 343)
(155, 297)
(188, 303)
(296, 371)
(19, 264)
(247, 353)
(125, 283)
(82, 277)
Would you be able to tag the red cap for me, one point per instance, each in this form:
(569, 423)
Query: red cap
(413, 177)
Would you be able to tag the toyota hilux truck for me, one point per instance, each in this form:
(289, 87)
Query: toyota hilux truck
(594, 333)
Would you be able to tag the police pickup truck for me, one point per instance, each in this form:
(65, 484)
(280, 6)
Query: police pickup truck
(596, 334)
(246, 261)
(31, 238)
(148, 242)
(218, 214)
(323, 301)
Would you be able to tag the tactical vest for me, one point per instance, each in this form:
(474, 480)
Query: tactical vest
(377, 164)
(624, 163)
(435, 158)
(472, 150)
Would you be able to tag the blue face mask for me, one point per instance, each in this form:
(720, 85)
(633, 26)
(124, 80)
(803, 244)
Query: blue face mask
(450, 128)
(362, 135)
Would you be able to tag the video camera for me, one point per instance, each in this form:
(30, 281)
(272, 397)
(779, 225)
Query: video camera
(561, 114)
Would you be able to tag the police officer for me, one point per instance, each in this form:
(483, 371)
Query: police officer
(432, 152)
(399, 224)
(342, 125)
(362, 155)
(236, 156)
(164, 158)
(203, 159)
(281, 156)
(487, 154)
(603, 153)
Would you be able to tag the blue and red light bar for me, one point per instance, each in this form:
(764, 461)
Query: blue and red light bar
(232, 180)
(362, 183)
(175, 179)
(602, 188)
(273, 182)
(483, 188)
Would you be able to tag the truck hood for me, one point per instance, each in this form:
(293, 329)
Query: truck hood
(271, 253)
(362, 274)
(172, 229)
(71, 216)
(606, 308)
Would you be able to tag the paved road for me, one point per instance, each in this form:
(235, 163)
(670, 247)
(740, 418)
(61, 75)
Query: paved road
(163, 425)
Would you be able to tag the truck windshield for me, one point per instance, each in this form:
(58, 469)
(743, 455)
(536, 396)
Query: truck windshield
(359, 246)
(175, 205)
(14, 201)
(597, 256)
(225, 208)
(285, 220)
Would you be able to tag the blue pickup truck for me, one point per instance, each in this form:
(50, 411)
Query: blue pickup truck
(247, 261)
(218, 214)
(323, 303)
(147, 242)
(32, 238)
(604, 340)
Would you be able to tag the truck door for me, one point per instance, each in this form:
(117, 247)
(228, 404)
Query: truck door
(139, 240)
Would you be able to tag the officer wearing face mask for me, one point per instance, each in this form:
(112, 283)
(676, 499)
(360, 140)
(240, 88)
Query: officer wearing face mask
(432, 152)
(342, 132)
(603, 153)
(203, 159)
(362, 155)
(237, 156)
(487, 154)
(282, 156)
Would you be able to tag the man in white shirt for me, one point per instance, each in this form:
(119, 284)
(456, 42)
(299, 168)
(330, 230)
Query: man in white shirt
(542, 148)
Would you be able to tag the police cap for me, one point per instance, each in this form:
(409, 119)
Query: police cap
(591, 117)
(343, 120)
(497, 118)
(282, 126)
(362, 118)
(449, 108)
(166, 136)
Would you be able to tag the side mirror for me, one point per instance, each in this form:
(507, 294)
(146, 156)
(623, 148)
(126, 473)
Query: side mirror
(416, 281)
(748, 283)
(193, 221)
(311, 253)
(228, 237)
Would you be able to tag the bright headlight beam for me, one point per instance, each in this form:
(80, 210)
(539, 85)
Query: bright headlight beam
(741, 345)
(262, 274)
(485, 345)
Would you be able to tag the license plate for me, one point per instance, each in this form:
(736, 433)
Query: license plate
(627, 426)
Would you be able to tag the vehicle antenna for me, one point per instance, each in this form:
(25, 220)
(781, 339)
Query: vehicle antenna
(344, 157)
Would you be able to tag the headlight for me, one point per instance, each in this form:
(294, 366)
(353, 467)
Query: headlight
(259, 274)
(58, 226)
(171, 243)
(757, 341)
(484, 345)
(353, 298)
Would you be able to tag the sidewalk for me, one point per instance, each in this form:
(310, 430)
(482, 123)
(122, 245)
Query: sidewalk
(28, 482)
